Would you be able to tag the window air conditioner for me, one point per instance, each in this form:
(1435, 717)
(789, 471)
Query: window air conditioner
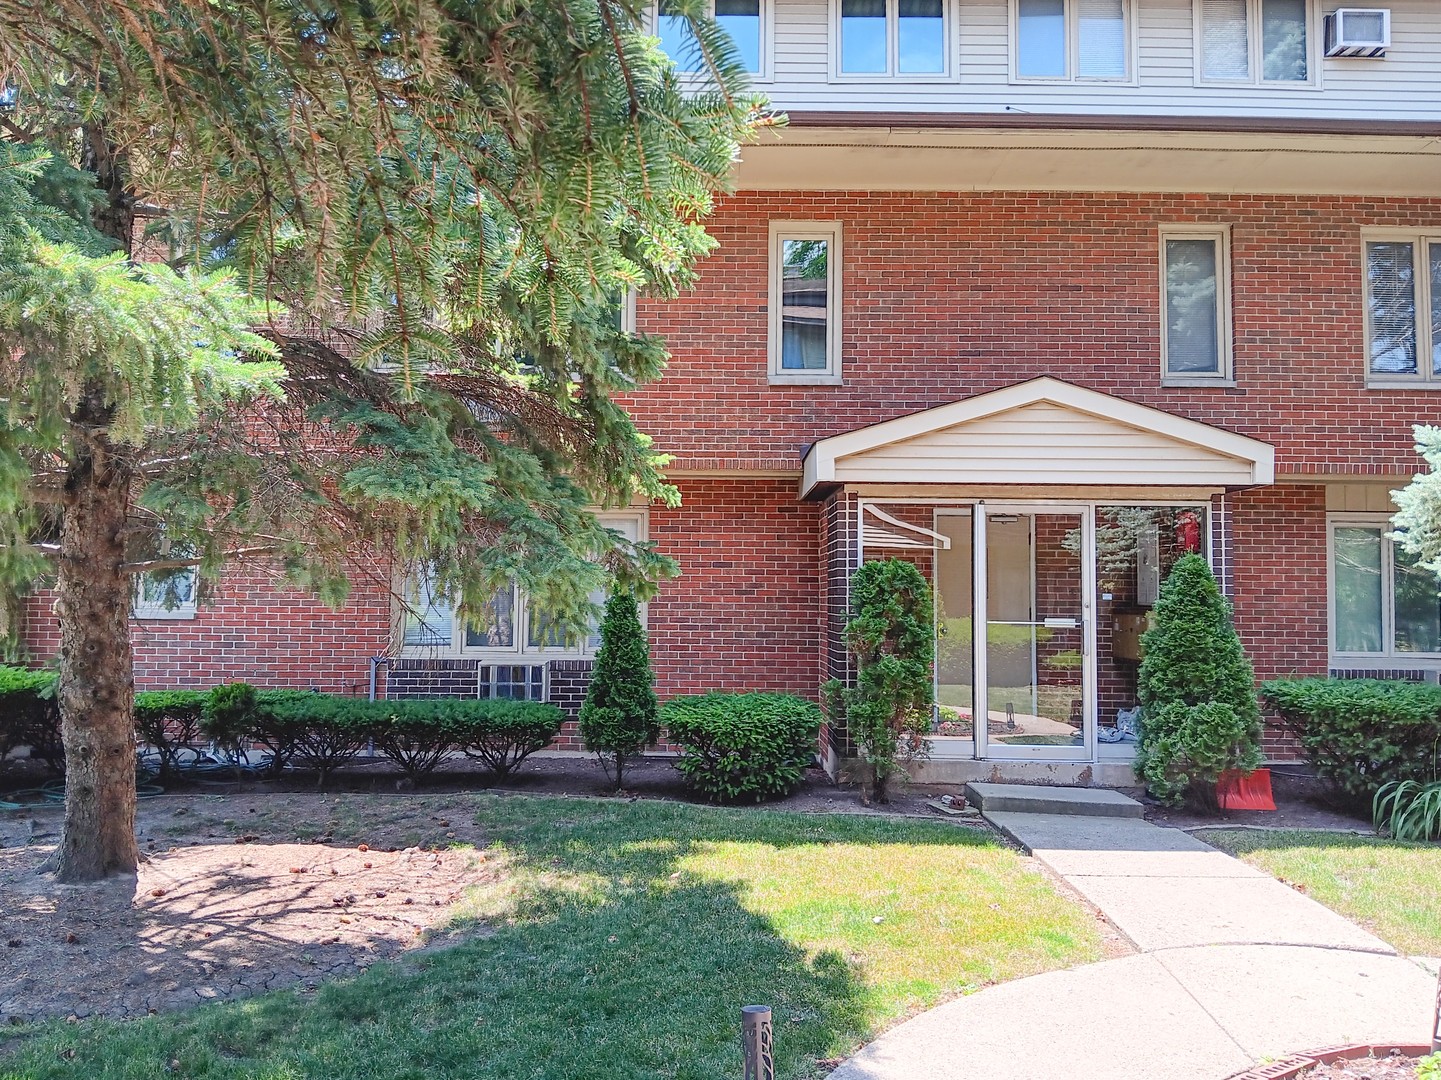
(1364, 32)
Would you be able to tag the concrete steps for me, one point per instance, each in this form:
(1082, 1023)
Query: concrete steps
(1037, 799)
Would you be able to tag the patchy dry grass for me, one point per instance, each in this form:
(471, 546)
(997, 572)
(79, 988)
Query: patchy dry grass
(623, 940)
(1392, 889)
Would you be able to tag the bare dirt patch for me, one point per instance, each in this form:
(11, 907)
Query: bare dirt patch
(240, 894)
(1372, 1068)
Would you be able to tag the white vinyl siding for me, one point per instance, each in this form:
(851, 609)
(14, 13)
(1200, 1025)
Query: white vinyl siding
(1406, 85)
(1045, 444)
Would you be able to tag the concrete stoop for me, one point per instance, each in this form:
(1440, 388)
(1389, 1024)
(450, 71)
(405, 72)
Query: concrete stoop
(1040, 799)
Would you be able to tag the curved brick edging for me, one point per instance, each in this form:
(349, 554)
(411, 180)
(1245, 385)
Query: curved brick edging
(1299, 1063)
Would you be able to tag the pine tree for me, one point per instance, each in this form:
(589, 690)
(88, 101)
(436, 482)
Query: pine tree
(619, 717)
(330, 288)
(1197, 690)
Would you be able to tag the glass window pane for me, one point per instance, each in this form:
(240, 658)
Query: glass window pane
(863, 36)
(805, 296)
(493, 626)
(1434, 258)
(1101, 40)
(1225, 40)
(1356, 578)
(545, 632)
(741, 19)
(920, 37)
(1041, 39)
(428, 617)
(1283, 40)
(676, 39)
(1193, 340)
(1391, 307)
(169, 590)
(1418, 605)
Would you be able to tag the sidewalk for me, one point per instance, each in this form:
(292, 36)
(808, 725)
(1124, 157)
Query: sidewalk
(1234, 968)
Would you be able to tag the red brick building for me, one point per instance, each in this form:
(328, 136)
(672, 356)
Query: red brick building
(1038, 293)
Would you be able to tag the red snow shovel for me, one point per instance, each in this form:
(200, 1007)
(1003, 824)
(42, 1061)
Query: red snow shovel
(1245, 791)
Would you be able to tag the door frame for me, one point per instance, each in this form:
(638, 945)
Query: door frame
(1085, 514)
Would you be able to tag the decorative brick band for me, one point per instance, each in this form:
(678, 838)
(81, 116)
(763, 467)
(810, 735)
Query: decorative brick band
(1295, 1066)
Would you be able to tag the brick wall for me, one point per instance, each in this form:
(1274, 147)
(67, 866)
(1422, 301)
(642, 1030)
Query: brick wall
(950, 295)
(251, 630)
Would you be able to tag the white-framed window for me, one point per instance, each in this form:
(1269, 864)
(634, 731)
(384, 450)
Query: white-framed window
(898, 39)
(1403, 308)
(510, 627)
(746, 21)
(1256, 41)
(1196, 303)
(1382, 605)
(170, 594)
(1072, 40)
(805, 302)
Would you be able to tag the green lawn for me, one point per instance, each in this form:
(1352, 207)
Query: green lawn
(620, 943)
(1392, 889)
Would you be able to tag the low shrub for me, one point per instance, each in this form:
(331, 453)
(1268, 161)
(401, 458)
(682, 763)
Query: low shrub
(30, 715)
(743, 747)
(169, 721)
(619, 718)
(1362, 733)
(502, 734)
(318, 731)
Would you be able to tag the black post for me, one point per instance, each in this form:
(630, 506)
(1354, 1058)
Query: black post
(756, 1036)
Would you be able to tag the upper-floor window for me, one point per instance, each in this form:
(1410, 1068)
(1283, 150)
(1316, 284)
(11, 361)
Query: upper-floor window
(893, 38)
(805, 340)
(742, 19)
(1072, 39)
(1403, 308)
(1196, 316)
(1382, 603)
(1249, 41)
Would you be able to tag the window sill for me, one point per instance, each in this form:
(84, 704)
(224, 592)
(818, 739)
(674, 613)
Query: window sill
(818, 378)
(1311, 86)
(1414, 382)
(1077, 80)
(874, 78)
(1198, 383)
(179, 614)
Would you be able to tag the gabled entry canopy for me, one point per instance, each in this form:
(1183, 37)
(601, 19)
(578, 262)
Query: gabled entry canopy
(1043, 432)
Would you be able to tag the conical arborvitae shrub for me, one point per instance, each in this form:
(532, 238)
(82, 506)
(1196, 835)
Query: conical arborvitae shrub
(619, 717)
(891, 638)
(1197, 691)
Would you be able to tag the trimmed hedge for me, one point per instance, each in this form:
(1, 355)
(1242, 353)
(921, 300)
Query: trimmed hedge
(325, 731)
(743, 747)
(1362, 733)
(30, 715)
(169, 720)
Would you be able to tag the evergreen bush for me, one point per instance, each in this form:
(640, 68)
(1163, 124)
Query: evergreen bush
(29, 715)
(891, 639)
(1361, 734)
(169, 722)
(618, 718)
(743, 747)
(1197, 691)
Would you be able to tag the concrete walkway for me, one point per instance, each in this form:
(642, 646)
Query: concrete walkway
(1234, 968)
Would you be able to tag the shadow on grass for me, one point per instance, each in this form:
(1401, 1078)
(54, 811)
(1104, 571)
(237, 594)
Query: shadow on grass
(604, 958)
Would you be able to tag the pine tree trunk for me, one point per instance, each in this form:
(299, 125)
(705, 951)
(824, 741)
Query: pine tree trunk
(97, 683)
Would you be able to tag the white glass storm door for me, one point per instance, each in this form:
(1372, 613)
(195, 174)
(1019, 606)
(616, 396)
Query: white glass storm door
(1034, 662)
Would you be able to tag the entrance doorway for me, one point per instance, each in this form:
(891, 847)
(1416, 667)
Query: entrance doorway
(1015, 638)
